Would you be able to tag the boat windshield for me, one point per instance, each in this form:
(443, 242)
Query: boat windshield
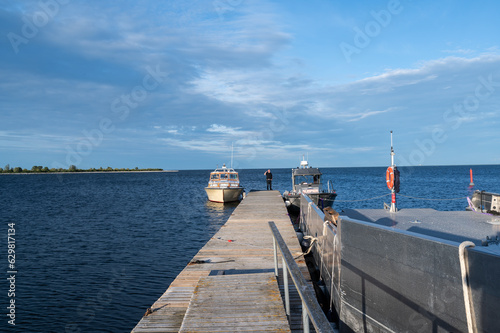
(223, 176)
(309, 179)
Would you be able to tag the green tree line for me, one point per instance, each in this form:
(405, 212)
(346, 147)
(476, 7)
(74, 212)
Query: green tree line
(72, 168)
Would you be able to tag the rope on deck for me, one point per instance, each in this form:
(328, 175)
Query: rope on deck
(407, 196)
(380, 196)
(402, 195)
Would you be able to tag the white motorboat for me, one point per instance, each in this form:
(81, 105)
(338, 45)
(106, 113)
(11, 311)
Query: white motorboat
(224, 185)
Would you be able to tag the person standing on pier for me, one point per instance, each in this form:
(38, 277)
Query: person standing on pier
(269, 179)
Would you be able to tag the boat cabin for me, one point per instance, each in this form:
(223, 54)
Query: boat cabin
(306, 180)
(223, 178)
(485, 202)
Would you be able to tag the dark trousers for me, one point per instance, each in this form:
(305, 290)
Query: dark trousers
(269, 184)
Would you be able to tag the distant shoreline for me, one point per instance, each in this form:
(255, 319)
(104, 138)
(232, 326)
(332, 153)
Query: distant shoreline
(83, 172)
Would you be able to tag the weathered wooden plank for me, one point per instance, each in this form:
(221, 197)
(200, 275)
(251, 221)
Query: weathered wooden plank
(243, 245)
(169, 321)
(250, 301)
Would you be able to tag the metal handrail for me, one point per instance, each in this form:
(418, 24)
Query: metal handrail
(310, 307)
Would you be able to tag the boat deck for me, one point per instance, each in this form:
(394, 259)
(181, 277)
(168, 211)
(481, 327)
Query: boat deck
(230, 284)
(454, 226)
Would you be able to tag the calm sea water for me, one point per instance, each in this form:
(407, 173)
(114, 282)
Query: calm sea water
(94, 251)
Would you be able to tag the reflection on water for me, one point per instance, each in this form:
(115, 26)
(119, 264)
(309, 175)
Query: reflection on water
(214, 207)
(219, 213)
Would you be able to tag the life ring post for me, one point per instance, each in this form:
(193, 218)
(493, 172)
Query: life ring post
(389, 177)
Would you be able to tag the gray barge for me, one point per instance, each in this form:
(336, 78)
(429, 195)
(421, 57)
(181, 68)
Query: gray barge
(415, 270)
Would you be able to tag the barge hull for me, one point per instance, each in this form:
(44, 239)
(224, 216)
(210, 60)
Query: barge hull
(391, 273)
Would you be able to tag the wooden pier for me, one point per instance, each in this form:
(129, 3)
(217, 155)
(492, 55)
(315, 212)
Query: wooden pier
(230, 284)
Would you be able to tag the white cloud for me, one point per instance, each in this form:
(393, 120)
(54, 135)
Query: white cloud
(34, 141)
(460, 51)
(236, 86)
(362, 115)
(215, 146)
(229, 131)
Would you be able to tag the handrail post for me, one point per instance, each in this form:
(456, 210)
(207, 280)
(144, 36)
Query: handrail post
(275, 248)
(311, 311)
(287, 291)
(305, 318)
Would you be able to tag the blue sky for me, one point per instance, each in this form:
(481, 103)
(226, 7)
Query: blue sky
(172, 84)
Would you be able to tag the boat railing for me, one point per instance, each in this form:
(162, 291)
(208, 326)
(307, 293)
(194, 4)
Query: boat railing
(329, 184)
(311, 311)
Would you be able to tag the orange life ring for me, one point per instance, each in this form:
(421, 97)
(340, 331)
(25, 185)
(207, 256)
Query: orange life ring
(389, 178)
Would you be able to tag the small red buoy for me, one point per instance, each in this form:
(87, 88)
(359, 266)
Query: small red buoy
(471, 181)
(229, 240)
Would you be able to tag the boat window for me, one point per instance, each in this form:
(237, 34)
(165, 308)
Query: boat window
(307, 179)
(223, 176)
(233, 176)
(214, 176)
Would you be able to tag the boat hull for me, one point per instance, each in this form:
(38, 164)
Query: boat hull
(224, 194)
(401, 272)
(322, 200)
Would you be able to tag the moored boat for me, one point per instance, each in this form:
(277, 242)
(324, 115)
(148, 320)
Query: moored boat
(224, 185)
(484, 202)
(307, 180)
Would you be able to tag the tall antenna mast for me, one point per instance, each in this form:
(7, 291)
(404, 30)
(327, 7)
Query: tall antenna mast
(392, 153)
(231, 155)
